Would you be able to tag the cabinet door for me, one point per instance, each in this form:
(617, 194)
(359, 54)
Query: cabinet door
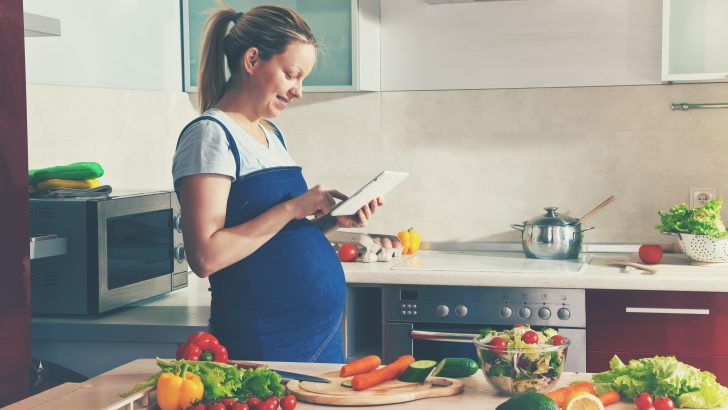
(336, 24)
(598, 361)
(695, 40)
(692, 323)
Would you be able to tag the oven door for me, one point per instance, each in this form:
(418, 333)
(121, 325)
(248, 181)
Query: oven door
(136, 249)
(436, 341)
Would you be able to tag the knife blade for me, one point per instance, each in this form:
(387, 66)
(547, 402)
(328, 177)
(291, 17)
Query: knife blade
(284, 374)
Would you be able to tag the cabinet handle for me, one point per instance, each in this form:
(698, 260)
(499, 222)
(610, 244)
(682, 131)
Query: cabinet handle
(668, 311)
(442, 336)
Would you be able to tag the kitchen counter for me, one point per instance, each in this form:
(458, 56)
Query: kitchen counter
(102, 392)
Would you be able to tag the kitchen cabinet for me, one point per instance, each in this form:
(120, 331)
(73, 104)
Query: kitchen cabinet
(691, 326)
(347, 33)
(694, 40)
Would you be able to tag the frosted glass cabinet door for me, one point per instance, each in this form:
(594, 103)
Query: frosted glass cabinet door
(344, 29)
(695, 40)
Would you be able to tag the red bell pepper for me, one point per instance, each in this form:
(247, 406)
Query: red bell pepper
(202, 346)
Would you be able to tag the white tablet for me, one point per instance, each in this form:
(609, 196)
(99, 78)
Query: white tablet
(378, 186)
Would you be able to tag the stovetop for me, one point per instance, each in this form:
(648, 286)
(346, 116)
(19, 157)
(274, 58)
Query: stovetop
(490, 261)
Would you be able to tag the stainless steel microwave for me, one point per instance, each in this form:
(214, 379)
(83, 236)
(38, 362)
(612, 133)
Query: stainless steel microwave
(122, 248)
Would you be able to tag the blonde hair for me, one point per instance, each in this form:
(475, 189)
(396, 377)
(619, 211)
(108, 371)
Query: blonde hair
(268, 28)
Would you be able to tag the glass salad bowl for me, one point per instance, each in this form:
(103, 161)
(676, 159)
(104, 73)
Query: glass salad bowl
(521, 360)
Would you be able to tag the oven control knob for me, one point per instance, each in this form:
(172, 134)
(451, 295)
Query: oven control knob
(178, 223)
(544, 313)
(179, 253)
(564, 313)
(442, 310)
(505, 312)
(524, 312)
(461, 310)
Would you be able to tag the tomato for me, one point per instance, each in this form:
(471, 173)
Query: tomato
(664, 403)
(288, 402)
(239, 406)
(498, 344)
(558, 340)
(253, 403)
(530, 337)
(228, 401)
(217, 406)
(274, 401)
(651, 254)
(348, 253)
(268, 405)
(643, 401)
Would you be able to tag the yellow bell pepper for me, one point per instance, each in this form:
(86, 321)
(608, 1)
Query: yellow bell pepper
(410, 240)
(178, 391)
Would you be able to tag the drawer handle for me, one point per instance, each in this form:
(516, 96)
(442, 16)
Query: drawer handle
(668, 311)
(443, 336)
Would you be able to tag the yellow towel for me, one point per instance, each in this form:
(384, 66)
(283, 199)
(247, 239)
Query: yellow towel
(68, 183)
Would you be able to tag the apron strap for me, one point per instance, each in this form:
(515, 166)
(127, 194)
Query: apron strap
(275, 129)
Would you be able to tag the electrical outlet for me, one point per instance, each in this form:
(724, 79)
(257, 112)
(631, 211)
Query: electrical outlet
(699, 196)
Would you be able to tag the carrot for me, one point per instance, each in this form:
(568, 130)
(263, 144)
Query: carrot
(610, 397)
(363, 365)
(388, 372)
(561, 395)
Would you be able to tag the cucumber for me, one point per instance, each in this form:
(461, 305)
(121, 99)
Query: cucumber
(346, 383)
(418, 371)
(455, 367)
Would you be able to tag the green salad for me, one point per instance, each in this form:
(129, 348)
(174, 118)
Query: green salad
(522, 359)
(687, 386)
(698, 221)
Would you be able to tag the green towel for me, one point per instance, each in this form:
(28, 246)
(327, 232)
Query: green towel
(77, 171)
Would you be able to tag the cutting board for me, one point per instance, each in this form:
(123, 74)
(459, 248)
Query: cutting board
(389, 392)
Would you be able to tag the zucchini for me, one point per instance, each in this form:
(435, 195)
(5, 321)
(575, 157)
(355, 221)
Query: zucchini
(455, 367)
(418, 371)
(346, 383)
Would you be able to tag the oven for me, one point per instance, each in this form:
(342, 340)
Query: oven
(434, 322)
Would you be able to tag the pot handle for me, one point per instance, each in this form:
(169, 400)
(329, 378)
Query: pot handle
(587, 229)
(518, 227)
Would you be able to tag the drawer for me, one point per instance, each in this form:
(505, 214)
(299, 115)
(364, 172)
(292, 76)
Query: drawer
(598, 361)
(694, 323)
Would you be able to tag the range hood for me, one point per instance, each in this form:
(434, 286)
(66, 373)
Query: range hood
(41, 26)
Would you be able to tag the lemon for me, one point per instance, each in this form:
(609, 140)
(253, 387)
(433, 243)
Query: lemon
(584, 401)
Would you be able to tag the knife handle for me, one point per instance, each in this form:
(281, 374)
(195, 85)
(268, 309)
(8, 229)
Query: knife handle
(245, 365)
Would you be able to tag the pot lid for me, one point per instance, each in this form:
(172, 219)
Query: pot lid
(552, 218)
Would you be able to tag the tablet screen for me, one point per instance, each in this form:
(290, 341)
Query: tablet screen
(378, 186)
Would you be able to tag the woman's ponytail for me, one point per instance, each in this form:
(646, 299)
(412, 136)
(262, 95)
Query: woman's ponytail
(211, 80)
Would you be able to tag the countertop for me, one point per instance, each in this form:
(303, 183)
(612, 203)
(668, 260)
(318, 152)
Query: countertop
(101, 392)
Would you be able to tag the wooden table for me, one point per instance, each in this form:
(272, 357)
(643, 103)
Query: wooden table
(102, 392)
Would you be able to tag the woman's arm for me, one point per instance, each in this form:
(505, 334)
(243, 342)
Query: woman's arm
(210, 246)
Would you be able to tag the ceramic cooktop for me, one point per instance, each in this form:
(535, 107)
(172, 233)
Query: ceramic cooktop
(479, 261)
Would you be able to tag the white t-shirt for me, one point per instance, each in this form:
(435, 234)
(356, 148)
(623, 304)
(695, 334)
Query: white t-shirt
(204, 149)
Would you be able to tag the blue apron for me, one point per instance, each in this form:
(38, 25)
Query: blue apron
(285, 301)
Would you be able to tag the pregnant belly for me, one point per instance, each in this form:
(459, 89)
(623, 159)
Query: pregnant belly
(296, 274)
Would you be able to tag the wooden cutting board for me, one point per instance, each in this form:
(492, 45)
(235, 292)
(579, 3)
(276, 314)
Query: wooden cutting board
(392, 391)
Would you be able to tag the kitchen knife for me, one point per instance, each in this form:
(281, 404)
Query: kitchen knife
(284, 374)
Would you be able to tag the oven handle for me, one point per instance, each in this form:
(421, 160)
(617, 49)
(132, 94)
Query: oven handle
(442, 336)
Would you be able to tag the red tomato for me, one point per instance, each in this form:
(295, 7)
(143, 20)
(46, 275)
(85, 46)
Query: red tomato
(348, 253)
(558, 340)
(253, 403)
(268, 405)
(228, 401)
(217, 406)
(198, 406)
(664, 403)
(651, 254)
(239, 406)
(274, 400)
(643, 401)
(530, 337)
(288, 402)
(498, 344)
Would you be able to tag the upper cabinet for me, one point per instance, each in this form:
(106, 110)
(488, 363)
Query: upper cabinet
(347, 32)
(695, 40)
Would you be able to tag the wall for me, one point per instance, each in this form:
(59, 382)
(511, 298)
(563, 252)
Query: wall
(480, 160)
(126, 44)
(517, 44)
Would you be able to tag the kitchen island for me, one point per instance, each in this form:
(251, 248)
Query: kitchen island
(102, 392)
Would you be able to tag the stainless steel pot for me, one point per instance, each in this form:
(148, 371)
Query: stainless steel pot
(551, 236)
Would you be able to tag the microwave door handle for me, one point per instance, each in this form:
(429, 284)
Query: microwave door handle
(443, 336)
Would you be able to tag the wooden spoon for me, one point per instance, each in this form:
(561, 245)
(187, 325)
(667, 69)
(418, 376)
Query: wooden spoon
(622, 262)
(596, 209)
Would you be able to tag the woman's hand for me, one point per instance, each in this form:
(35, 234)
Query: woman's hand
(317, 201)
(362, 216)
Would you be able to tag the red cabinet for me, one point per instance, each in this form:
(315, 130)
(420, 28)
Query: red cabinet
(692, 326)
